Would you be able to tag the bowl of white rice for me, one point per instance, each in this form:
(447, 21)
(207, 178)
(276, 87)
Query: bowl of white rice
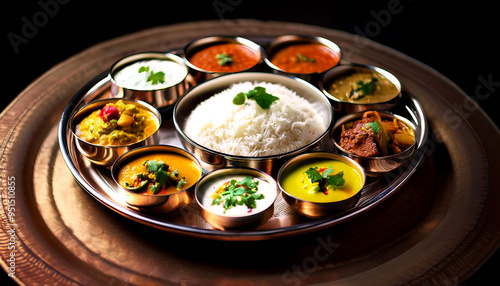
(252, 119)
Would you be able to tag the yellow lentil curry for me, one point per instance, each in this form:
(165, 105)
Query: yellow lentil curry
(117, 124)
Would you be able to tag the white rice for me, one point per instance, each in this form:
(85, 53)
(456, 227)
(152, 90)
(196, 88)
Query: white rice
(248, 130)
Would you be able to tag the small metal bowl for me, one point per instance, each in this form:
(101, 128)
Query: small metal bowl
(211, 159)
(283, 41)
(160, 203)
(319, 209)
(166, 94)
(106, 155)
(200, 75)
(375, 166)
(349, 107)
(252, 219)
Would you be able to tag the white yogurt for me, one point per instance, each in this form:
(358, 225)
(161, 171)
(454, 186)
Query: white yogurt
(204, 196)
(130, 77)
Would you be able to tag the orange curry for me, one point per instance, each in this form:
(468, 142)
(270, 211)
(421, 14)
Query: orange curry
(305, 58)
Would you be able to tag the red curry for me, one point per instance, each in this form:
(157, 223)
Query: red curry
(227, 57)
(305, 58)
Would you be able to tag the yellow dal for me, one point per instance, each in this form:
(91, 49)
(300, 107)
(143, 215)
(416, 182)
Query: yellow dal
(293, 185)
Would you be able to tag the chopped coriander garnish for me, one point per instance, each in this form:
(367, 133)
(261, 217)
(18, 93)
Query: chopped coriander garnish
(233, 193)
(144, 69)
(375, 126)
(157, 177)
(305, 59)
(259, 94)
(363, 88)
(325, 177)
(224, 59)
(154, 77)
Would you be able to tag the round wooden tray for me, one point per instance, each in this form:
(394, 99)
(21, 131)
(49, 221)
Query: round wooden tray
(439, 227)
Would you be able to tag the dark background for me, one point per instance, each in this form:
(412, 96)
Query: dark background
(457, 40)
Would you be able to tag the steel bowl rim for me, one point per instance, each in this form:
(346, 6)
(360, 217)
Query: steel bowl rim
(318, 153)
(221, 38)
(351, 65)
(145, 56)
(262, 175)
(320, 40)
(260, 158)
(393, 156)
(141, 151)
(139, 102)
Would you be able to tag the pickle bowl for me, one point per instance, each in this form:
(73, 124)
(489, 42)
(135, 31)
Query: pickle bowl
(293, 190)
(145, 200)
(106, 155)
(201, 74)
(368, 102)
(376, 165)
(157, 78)
(239, 216)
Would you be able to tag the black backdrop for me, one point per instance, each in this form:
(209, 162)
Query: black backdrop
(457, 40)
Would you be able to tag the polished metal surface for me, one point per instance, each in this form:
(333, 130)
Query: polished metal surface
(159, 98)
(200, 75)
(439, 227)
(156, 203)
(350, 107)
(250, 221)
(376, 166)
(212, 159)
(320, 209)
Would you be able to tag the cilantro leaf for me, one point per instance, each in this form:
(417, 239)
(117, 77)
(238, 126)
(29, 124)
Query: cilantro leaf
(375, 126)
(162, 177)
(259, 94)
(239, 99)
(314, 175)
(154, 78)
(305, 59)
(247, 181)
(327, 172)
(235, 193)
(153, 165)
(144, 69)
(224, 59)
(363, 88)
(336, 180)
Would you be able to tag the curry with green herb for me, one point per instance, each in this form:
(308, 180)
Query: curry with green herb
(363, 87)
(322, 181)
(159, 174)
(116, 124)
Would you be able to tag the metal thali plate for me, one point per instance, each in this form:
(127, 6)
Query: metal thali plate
(285, 221)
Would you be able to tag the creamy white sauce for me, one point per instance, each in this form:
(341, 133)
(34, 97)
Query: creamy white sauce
(130, 77)
(204, 196)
